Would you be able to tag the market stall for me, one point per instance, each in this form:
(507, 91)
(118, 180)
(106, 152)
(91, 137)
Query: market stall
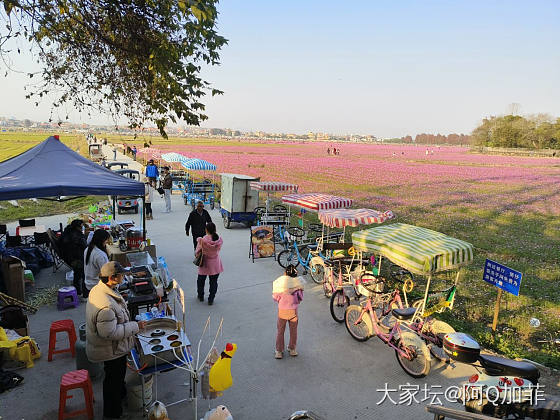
(271, 221)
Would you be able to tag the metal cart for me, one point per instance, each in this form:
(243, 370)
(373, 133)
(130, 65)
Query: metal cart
(199, 191)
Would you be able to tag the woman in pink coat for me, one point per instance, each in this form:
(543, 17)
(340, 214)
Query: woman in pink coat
(210, 246)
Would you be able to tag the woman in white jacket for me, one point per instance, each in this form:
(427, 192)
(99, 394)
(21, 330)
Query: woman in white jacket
(110, 335)
(95, 256)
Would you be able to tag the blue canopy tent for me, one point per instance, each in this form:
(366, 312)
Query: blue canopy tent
(51, 169)
(194, 164)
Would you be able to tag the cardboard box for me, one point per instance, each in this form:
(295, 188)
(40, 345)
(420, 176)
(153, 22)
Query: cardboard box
(12, 270)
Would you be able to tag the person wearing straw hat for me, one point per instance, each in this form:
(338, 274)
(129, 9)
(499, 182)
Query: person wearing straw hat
(287, 290)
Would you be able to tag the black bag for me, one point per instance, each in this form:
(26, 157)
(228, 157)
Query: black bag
(9, 380)
(12, 317)
(199, 259)
(160, 190)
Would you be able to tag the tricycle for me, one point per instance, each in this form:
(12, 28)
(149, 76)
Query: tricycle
(413, 250)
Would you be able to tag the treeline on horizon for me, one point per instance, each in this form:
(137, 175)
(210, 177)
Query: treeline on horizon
(454, 139)
(511, 131)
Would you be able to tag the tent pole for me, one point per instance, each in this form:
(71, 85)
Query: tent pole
(114, 207)
(143, 218)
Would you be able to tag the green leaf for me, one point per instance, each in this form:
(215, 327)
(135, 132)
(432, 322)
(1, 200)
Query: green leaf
(182, 5)
(198, 14)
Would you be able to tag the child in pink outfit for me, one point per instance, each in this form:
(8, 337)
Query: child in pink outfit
(288, 292)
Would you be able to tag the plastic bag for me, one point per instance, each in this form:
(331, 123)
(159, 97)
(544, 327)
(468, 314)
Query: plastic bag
(70, 277)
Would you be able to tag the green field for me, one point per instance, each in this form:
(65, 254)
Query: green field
(14, 143)
(519, 237)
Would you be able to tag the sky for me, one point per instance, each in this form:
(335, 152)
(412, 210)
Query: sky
(384, 68)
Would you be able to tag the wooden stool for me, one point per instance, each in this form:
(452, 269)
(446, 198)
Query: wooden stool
(65, 325)
(73, 380)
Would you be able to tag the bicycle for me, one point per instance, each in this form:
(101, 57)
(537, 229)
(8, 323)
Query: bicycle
(411, 352)
(430, 330)
(354, 274)
(298, 254)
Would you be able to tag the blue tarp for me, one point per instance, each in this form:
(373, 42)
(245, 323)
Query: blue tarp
(52, 169)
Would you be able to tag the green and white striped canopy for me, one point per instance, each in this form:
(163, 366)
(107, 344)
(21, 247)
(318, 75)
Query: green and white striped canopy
(419, 250)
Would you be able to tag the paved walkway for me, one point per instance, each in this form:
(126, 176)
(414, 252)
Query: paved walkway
(334, 375)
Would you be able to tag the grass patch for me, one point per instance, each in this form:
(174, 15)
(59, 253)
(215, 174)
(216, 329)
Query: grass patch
(29, 208)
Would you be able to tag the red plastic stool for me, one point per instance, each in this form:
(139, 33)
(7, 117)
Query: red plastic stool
(73, 380)
(65, 325)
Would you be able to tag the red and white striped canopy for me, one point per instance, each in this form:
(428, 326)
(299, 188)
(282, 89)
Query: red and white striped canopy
(273, 186)
(150, 152)
(353, 217)
(316, 202)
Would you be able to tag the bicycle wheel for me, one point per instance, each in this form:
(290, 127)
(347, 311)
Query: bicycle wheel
(339, 303)
(288, 257)
(360, 331)
(419, 364)
(317, 273)
(437, 329)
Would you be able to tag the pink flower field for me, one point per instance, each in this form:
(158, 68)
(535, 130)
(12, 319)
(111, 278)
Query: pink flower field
(396, 176)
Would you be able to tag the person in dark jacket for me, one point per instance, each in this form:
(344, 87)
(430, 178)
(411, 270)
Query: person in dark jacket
(198, 218)
(167, 184)
(73, 244)
(152, 172)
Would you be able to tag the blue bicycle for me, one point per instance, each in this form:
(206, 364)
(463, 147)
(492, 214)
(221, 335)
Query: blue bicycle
(302, 253)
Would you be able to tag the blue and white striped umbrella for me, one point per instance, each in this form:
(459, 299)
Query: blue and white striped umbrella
(198, 165)
(173, 157)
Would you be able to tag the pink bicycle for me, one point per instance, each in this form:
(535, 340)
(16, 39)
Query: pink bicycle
(362, 322)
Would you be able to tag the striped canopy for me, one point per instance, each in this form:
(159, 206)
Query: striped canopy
(419, 250)
(272, 186)
(173, 157)
(194, 164)
(317, 202)
(150, 152)
(353, 217)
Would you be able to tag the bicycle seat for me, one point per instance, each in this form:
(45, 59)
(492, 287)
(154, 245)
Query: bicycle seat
(312, 247)
(404, 314)
(495, 365)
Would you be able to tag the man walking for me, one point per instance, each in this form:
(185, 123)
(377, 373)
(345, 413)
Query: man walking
(152, 172)
(197, 222)
(166, 184)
